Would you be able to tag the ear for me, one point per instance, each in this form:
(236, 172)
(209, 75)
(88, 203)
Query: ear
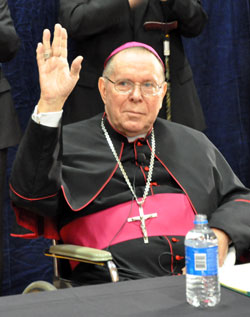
(102, 89)
(164, 89)
(163, 93)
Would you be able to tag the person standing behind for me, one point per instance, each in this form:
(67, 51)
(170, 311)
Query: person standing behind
(98, 27)
(10, 131)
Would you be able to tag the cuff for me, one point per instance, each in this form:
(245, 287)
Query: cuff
(48, 119)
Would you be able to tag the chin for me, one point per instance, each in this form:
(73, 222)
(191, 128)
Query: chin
(133, 131)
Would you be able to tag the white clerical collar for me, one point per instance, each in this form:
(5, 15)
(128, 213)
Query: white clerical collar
(133, 138)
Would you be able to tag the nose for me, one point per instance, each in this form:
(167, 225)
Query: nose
(136, 94)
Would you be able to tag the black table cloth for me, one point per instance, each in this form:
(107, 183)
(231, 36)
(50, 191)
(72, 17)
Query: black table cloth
(155, 297)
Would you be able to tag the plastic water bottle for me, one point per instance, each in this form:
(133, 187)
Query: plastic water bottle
(202, 281)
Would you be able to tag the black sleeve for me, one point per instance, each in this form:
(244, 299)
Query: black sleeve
(190, 15)
(232, 214)
(86, 18)
(9, 40)
(35, 179)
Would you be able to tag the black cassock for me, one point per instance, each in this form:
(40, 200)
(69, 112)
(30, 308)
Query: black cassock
(78, 183)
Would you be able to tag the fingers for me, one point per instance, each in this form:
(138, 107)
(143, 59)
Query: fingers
(40, 55)
(46, 43)
(56, 44)
(43, 51)
(59, 44)
(58, 48)
(76, 66)
(64, 44)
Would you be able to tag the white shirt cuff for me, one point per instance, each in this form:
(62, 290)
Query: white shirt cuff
(48, 119)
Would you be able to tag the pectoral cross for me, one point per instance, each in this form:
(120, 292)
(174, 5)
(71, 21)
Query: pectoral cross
(142, 217)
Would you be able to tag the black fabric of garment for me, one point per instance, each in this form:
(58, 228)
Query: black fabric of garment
(87, 165)
(135, 260)
(117, 191)
(193, 160)
(10, 131)
(3, 165)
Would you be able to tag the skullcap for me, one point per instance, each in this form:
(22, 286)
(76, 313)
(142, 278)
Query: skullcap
(133, 44)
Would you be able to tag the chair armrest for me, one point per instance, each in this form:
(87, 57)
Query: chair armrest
(78, 253)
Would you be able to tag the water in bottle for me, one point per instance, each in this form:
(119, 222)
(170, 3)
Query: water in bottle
(202, 281)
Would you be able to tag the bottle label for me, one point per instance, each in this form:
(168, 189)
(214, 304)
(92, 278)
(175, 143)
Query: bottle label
(202, 261)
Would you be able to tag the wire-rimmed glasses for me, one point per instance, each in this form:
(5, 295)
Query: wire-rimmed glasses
(126, 86)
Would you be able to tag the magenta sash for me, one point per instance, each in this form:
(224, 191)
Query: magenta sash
(110, 226)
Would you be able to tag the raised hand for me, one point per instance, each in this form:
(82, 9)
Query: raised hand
(57, 80)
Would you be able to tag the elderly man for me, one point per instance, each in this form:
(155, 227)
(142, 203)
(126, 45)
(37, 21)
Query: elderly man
(123, 181)
(97, 27)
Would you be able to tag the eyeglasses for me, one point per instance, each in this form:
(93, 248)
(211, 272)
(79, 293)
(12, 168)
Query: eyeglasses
(125, 86)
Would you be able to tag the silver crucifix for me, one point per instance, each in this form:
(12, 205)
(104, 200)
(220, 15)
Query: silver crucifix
(142, 217)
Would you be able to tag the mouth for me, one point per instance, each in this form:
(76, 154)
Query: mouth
(135, 113)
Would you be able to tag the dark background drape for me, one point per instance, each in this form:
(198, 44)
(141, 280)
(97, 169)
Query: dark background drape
(220, 59)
